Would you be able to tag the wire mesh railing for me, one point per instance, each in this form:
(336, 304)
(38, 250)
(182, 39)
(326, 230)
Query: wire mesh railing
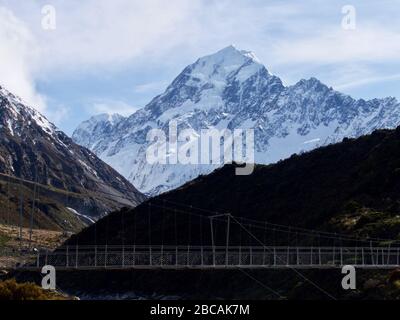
(207, 257)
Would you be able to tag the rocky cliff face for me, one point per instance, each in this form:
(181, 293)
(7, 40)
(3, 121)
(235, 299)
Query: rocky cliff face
(33, 149)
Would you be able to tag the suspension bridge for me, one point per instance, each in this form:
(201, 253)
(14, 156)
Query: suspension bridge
(167, 235)
(209, 258)
(216, 241)
(235, 253)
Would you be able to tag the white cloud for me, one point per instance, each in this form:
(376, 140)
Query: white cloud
(94, 33)
(100, 35)
(17, 52)
(57, 114)
(151, 87)
(365, 44)
(89, 34)
(363, 81)
(111, 107)
(103, 32)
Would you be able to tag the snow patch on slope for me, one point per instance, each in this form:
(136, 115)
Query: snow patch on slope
(82, 216)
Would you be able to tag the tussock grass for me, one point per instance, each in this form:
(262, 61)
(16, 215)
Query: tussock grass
(11, 290)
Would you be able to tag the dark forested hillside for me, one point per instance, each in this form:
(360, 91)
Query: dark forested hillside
(351, 187)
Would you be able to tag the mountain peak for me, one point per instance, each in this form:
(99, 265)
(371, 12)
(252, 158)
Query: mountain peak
(16, 101)
(217, 80)
(102, 118)
(15, 109)
(107, 117)
(216, 68)
(229, 89)
(311, 83)
(231, 55)
(90, 130)
(7, 94)
(231, 49)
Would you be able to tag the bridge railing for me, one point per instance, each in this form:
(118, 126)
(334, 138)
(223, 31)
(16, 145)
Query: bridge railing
(158, 256)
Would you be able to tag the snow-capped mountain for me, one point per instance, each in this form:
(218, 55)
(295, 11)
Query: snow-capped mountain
(34, 149)
(232, 89)
(98, 125)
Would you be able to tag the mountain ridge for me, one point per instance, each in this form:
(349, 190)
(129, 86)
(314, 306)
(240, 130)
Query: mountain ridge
(231, 90)
(35, 151)
(351, 187)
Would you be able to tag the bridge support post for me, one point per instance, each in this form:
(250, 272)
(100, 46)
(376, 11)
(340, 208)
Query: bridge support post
(389, 255)
(264, 255)
(372, 253)
(341, 256)
(334, 256)
(105, 257)
(355, 256)
(227, 240)
(362, 256)
(67, 256)
(287, 256)
(76, 256)
(150, 256)
(134, 254)
(319, 256)
(123, 256)
(188, 255)
(162, 255)
(377, 256)
(212, 239)
(95, 255)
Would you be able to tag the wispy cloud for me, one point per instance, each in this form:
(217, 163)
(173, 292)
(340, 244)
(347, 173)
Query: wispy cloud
(18, 50)
(101, 32)
(292, 38)
(364, 81)
(151, 87)
(57, 113)
(111, 107)
(366, 44)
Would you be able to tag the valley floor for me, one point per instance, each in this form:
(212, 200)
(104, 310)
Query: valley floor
(16, 250)
(223, 285)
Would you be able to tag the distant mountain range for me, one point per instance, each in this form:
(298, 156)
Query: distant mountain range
(232, 89)
(74, 187)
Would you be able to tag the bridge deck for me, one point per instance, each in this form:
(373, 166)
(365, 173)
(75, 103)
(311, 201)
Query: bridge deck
(221, 258)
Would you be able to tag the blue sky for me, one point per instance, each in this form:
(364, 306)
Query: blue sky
(114, 56)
